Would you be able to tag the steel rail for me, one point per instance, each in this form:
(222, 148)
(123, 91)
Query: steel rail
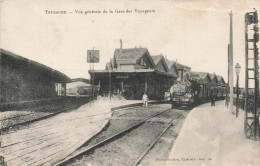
(152, 145)
(88, 149)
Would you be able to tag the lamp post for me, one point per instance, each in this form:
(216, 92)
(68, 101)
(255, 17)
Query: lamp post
(237, 68)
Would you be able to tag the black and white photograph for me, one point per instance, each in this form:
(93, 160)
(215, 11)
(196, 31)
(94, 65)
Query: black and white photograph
(129, 83)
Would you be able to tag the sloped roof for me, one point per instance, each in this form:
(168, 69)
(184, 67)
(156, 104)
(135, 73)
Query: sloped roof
(169, 63)
(195, 75)
(158, 58)
(220, 78)
(177, 65)
(57, 76)
(199, 75)
(212, 76)
(131, 54)
(180, 66)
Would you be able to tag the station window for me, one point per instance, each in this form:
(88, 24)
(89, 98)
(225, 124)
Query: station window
(142, 62)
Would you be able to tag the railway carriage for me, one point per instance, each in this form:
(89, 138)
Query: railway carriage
(197, 88)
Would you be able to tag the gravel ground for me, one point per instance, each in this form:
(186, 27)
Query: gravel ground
(124, 150)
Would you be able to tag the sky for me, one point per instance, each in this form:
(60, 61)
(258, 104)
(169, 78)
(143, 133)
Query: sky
(195, 33)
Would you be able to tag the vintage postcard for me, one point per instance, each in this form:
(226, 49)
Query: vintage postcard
(131, 82)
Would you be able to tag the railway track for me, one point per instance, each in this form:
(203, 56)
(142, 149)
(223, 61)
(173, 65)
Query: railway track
(131, 115)
(152, 145)
(88, 149)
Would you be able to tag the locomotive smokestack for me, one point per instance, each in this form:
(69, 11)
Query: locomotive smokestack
(180, 72)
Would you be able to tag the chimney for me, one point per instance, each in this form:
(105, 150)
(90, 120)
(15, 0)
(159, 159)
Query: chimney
(180, 73)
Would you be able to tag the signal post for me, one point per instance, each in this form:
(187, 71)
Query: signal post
(251, 120)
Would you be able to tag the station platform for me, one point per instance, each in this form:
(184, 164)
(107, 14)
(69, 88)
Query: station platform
(48, 141)
(213, 136)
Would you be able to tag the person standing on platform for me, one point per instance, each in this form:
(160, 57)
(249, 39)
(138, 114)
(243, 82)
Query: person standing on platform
(212, 97)
(145, 100)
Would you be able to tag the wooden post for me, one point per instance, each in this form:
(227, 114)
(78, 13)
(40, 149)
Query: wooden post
(237, 99)
(122, 85)
(110, 85)
(93, 85)
(65, 89)
(246, 77)
(122, 88)
(145, 86)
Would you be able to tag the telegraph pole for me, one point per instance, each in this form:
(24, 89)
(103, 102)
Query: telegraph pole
(230, 65)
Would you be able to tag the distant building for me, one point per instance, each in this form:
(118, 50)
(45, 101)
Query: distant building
(81, 80)
(78, 88)
(22, 79)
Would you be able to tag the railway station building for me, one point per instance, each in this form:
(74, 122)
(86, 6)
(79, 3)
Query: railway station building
(132, 72)
(22, 80)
